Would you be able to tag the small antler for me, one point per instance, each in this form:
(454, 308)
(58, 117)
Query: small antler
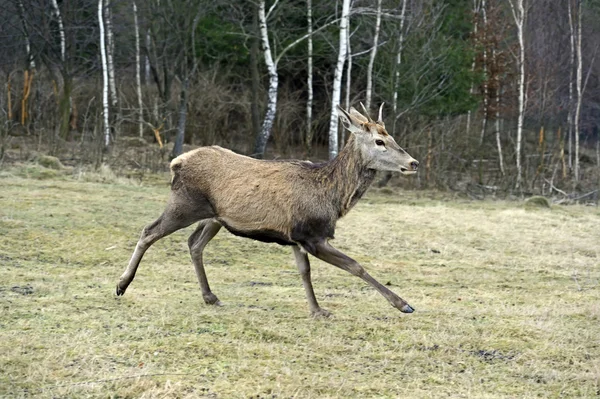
(366, 113)
(380, 117)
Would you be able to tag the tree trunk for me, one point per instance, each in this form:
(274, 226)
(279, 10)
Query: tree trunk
(61, 30)
(398, 63)
(30, 69)
(571, 85)
(110, 49)
(254, 49)
(105, 106)
(138, 74)
(498, 141)
(485, 76)
(147, 58)
(309, 81)
(348, 84)
(337, 80)
(372, 57)
(178, 145)
(263, 137)
(519, 16)
(579, 90)
(476, 6)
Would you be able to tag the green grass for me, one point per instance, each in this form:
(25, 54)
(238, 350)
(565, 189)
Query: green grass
(507, 302)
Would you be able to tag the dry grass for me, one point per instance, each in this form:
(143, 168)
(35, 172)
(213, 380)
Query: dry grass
(507, 299)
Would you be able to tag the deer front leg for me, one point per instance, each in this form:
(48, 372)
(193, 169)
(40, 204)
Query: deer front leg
(324, 251)
(204, 233)
(304, 269)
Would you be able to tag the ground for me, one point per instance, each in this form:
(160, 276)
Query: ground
(507, 301)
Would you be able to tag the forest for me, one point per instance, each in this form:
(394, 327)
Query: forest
(491, 96)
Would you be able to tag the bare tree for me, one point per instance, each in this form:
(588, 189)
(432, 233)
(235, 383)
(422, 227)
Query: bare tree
(105, 107)
(138, 77)
(398, 63)
(519, 15)
(372, 57)
(579, 89)
(309, 79)
(263, 136)
(110, 49)
(337, 80)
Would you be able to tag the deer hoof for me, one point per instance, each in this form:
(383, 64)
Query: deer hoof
(320, 313)
(406, 309)
(211, 299)
(120, 291)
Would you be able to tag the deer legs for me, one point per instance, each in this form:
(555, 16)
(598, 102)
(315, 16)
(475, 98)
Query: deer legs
(204, 233)
(329, 254)
(161, 227)
(304, 269)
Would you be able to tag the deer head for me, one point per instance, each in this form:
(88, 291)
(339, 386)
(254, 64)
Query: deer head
(379, 150)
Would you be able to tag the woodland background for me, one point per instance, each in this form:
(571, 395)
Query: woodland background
(492, 96)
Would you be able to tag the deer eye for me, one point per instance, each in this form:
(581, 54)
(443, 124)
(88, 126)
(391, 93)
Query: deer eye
(379, 142)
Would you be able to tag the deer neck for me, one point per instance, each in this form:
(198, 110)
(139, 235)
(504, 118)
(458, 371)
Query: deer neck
(348, 177)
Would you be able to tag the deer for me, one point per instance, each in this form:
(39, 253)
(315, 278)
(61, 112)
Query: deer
(292, 203)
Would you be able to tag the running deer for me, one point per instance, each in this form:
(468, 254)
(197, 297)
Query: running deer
(295, 203)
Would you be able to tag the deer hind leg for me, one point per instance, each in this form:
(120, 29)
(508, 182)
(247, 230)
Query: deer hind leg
(324, 251)
(176, 216)
(304, 269)
(205, 232)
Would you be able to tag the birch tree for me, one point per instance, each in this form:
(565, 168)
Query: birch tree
(65, 102)
(519, 15)
(309, 79)
(337, 80)
(372, 57)
(579, 89)
(110, 49)
(105, 107)
(271, 62)
(263, 136)
(398, 64)
(138, 72)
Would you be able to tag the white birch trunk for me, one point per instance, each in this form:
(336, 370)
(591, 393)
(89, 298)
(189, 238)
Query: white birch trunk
(263, 137)
(571, 85)
(309, 82)
(61, 30)
(337, 80)
(498, 103)
(138, 74)
(110, 49)
(372, 57)
(398, 63)
(579, 90)
(104, 75)
(30, 60)
(518, 12)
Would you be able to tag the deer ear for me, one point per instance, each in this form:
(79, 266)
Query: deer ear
(351, 122)
(358, 115)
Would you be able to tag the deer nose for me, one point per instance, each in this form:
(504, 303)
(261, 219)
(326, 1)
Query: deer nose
(414, 165)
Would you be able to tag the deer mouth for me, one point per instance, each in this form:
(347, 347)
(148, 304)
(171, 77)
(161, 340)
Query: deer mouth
(405, 171)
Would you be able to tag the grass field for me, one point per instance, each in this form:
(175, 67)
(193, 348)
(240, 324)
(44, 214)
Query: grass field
(507, 302)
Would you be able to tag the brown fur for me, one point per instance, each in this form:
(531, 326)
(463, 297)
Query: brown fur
(292, 203)
(286, 198)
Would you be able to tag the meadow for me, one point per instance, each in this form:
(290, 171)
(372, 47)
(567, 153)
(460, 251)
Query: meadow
(507, 300)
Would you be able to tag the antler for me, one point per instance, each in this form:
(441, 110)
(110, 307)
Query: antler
(380, 117)
(366, 113)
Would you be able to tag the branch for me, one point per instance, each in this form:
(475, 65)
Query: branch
(306, 36)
